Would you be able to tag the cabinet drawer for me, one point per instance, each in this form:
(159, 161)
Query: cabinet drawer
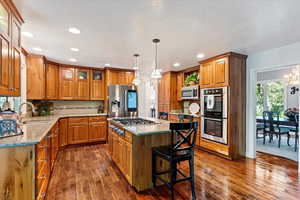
(97, 119)
(78, 120)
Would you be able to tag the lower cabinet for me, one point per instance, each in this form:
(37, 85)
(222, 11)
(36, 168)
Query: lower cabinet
(97, 129)
(121, 152)
(78, 130)
(63, 132)
(87, 129)
(46, 152)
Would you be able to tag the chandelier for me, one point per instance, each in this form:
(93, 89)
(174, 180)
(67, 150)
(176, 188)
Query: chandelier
(293, 77)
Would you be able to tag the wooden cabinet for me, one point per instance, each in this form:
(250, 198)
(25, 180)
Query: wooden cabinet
(54, 135)
(67, 83)
(10, 49)
(214, 73)
(97, 87)
(97, 129)
(228, 69)
(78, 131)
(180, 80)
(82, 84)
(63, 132)
(122, 154)
(43, 167)
(52, 80)
(119, 76)
(35, 77)
(206, 75)
(5, 67)
(221, 72)
(167, 93)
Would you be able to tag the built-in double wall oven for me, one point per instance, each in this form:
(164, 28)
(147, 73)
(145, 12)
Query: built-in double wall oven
(214, 114)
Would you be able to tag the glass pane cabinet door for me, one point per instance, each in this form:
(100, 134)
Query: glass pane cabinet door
(4, 20)
(97, 76)
(82, 75)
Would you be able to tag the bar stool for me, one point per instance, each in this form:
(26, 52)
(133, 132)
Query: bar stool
(163, 115)
(183, 117)
(181, 149)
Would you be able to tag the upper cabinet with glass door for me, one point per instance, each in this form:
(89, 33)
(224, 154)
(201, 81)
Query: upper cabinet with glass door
(4, 19)
(97, 85)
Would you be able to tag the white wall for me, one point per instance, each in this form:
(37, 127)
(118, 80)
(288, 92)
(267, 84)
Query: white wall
(266, 60)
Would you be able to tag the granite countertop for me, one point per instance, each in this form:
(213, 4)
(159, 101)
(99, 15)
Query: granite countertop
(160, 127)
(33, 133)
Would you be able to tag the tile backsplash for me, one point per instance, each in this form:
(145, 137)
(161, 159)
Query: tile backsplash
(74, 107)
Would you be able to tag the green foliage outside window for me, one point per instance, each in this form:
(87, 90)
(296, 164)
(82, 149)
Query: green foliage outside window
(274, 97)
(259, 99)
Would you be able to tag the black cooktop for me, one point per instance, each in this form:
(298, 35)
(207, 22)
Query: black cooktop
(134, 121)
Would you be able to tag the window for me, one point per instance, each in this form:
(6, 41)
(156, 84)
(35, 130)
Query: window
(270, 96)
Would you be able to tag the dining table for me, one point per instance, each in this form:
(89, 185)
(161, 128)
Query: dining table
(284, 121)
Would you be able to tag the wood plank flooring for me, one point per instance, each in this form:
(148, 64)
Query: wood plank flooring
(87, 173)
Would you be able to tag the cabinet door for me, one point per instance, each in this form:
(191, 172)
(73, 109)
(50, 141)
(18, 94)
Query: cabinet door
(83, 84)
(127, 160)
(97, 85)
(221, 72)
(15, 34)
(63, 132)
(97, 131)
(78, 133)
(206, 75)
(35, 77)
(52, 74)
(110, 141)
(67, 83)
(180, 78)
(4, 20)
(15, 72)
(4, 67)
(129, 76)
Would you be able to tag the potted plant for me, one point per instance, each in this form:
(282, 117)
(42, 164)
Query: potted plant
(191, 79)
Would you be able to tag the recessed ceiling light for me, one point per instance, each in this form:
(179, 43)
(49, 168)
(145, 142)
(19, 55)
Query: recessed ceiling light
(74, 49)
(37, 49)
(176, 64)
(72, 60)
(74, 30)
(27, 34)
(200, 55)
(107, 65)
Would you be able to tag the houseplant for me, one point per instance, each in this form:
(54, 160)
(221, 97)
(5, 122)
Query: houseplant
(191, 79)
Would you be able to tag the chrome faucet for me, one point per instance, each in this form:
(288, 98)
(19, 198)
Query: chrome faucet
(26, 103)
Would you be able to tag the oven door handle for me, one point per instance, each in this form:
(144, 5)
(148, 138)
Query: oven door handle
(213, 119)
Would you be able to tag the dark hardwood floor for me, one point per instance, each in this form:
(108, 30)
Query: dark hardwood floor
(87, 173)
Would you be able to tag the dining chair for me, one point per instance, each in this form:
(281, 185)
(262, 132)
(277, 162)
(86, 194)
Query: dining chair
(271, 127)
(163, 115)
(296, 131)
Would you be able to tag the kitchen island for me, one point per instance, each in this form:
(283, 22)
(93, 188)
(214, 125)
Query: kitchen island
(130, 146)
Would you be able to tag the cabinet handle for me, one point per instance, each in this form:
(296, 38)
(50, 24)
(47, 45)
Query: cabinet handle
(43, 160)
(44, 176)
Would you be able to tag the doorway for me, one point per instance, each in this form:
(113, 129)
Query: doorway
(277, 112)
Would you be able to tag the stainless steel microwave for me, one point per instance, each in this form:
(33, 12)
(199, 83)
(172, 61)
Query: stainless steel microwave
(190, 92)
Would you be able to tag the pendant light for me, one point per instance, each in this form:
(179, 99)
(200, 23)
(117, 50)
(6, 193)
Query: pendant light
(136, 79)
(156, 73)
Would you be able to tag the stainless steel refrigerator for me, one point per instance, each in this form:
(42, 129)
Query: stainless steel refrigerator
(123, 101)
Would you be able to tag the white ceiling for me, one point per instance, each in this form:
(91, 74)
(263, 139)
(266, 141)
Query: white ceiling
(113, 30)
